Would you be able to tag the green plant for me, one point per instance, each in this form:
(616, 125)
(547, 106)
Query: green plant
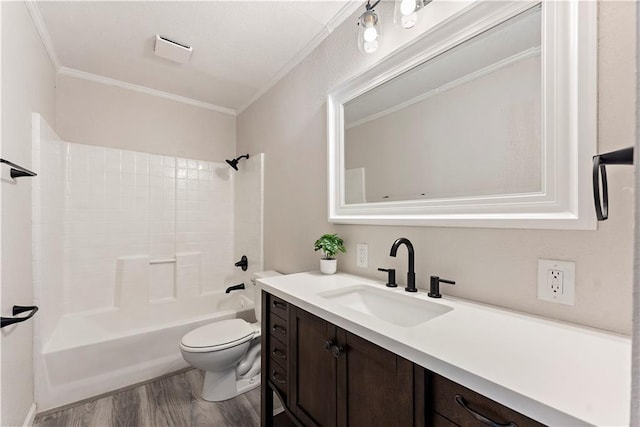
(330, 244)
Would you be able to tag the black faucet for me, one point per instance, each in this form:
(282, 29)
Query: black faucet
(391, 277)
(434, 288)
(242, 263)
(411, 274)
(234, 288)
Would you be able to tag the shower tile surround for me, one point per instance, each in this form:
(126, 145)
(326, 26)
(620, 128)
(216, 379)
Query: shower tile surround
(124, 210)
(113, 229)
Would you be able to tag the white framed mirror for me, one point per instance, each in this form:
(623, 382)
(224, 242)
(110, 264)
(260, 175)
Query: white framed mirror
(487, 120)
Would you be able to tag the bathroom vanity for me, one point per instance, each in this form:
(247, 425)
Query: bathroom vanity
(337, 351)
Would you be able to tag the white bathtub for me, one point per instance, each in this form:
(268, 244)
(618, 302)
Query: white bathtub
(95, 352)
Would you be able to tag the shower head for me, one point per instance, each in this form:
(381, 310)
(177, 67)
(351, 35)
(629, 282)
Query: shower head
(234, 163)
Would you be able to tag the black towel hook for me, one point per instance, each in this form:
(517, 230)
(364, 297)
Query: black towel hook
(17, 309)
(17, 171)
(619, 157)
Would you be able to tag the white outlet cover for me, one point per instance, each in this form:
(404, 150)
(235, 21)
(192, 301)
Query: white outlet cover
(568, 269)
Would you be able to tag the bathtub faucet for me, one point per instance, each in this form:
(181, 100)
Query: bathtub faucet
(243, 263)
(234, 288)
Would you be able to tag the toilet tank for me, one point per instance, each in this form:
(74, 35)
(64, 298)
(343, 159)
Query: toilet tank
(257, 297)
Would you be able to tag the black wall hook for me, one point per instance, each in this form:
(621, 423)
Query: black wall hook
(619, 157)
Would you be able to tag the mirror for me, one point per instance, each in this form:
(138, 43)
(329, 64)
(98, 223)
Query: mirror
(479, 123)
(464, 123)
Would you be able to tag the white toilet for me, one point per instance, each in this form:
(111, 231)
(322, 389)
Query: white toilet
(228, 351)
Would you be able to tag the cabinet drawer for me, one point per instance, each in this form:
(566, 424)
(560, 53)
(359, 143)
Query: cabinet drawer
(278, 377)
(278, 306)
(278, 327)
(438, 420)
(278, 352)
(449, 398)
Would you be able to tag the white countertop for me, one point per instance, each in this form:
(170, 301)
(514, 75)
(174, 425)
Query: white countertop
(556, 373)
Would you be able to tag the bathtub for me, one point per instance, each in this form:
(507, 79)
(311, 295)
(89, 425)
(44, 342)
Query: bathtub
(96, 352)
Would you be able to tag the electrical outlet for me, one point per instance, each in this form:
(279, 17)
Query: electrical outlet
(362, 255)
(556, 281)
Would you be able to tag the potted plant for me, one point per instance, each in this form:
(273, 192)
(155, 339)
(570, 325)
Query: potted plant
(330, 244)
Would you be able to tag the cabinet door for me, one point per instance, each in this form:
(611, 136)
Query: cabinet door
(313, 369)
(375, 386)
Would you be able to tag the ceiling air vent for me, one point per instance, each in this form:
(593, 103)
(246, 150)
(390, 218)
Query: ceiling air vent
(174, 51)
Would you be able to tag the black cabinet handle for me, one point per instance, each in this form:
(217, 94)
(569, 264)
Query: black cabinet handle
(278, 304)
(279, 354)
(478, 416)
(277, 378)
(17, 309)
(337, 351)
(279, 329)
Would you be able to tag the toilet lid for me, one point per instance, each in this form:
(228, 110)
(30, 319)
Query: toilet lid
(218, 334)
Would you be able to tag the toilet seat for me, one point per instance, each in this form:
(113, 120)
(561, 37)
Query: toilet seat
(218, 336)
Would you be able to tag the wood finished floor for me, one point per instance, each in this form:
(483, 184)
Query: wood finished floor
(170, 401)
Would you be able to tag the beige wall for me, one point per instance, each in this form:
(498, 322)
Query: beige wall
(97, 114)
(495, 266)
(28, 82)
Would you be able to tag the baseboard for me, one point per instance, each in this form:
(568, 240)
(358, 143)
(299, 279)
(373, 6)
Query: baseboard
(31, 416)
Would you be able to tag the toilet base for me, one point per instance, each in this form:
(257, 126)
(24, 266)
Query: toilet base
(223, 386)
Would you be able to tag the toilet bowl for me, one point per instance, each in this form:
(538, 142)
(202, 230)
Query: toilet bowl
(228, 351)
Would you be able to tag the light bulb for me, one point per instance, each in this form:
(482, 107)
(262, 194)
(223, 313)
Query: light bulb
(370, 47)
(370, 33)
(407, 7)
(408, 21)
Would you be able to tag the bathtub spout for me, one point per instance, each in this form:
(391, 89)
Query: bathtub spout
(234, 288)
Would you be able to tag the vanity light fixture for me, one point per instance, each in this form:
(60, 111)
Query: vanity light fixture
(406, 12)
(369, 32)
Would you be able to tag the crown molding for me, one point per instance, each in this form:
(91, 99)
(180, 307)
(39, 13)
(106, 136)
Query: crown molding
(41, 28)
(65, 71)
(346, 11)
(43, 32)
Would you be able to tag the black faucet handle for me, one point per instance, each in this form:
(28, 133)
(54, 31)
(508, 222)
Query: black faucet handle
(391, 278)
(434, 288)
(243, 263)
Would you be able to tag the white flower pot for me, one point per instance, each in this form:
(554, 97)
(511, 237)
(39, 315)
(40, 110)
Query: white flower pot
(328, 266)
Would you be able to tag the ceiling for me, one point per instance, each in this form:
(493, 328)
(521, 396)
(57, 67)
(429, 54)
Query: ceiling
(240, 48)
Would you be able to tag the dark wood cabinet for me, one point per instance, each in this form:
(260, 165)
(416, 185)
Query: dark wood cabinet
(375, 386)
(326, 376)
(460, 406)
(314, 368)
(339, 379)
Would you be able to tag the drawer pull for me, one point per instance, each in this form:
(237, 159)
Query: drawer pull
(279, 354)
(278, 304)
(478, 416)
(279, 329)
(336, 350)
(277, 378)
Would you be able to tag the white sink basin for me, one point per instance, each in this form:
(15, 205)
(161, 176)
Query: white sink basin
(396, 308)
